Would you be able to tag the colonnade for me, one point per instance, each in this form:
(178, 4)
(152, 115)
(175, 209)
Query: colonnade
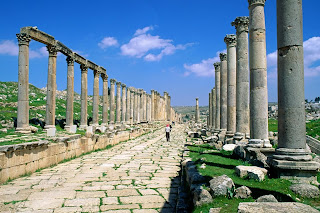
(240, 111)
(127, 105)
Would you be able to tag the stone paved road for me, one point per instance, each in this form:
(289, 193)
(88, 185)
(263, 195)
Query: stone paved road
(136, 176)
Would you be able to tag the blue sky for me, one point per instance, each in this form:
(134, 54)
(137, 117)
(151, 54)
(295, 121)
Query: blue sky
(167, 45)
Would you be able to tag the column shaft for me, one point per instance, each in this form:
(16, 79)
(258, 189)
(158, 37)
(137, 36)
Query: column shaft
(95, 104)
(105, 100)
(197, 110)
(217, 85)
(84, 96)
(223, 91)
(152, 105)
(128, 110)
(124, 109)
(213, 108)
(112, 100)
(70, 92)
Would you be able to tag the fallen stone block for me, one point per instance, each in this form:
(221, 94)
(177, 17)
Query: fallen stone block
(305, 190)
(220, 185)
(242, 171)
(267, 198)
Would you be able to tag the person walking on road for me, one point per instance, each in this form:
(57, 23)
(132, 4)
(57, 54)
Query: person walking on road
(168, 129)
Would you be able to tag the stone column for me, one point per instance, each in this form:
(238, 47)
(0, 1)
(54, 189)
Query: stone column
(169, 108)
(84, 96)
(213, 110)
(51, 88)
(139, 106)
(105, 100)
(95, 104)
(217, 84)
(131, 105)
(123, 111)
(145, 105)
(143, 109)
(223, 91)
(291, 160)
(152, 105)
(70, 93)
(197, 110)
(118, 103)
(148, 108)
(128, 110)
(242, 92)
(231, 41)
(135, 108)
(112, 100)
(23, 84)
(258, 76)
(209, 117)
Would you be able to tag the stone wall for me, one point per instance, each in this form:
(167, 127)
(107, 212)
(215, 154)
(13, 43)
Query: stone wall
(21, 159)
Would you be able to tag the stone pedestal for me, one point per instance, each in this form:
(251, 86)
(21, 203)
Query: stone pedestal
(242, 92)
(217, 86)
(84, 97)
(258, 75)
(51, 88)
(105, 100)
(70, 92)
(223, 91)
(291, 159)
(112, 100)
(23, 84)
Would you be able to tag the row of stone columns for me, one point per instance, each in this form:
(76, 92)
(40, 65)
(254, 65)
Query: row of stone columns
(243, 116)
(131, 105)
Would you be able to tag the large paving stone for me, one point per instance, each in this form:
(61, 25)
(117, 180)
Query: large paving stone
(142, 199)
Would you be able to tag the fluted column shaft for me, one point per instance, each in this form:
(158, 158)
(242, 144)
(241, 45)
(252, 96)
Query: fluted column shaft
(95, 104)
(242, 92)
(231, 41)
(51, 87)
(105, 100)
(70, 91)
(169, 108)
(112, 100)
(258, 74)
(223, 91)
(23, 84)
(217, 85)
(124, 109)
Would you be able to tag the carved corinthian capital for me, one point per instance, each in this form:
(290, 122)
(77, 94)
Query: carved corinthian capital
(256, 2)
(23, 38)
(83, 68)
(52, 50)
(70, 60)
(112, 81)
(104, 77)
(216, 65)
(230, 40)
(241, 24)
(223, 56)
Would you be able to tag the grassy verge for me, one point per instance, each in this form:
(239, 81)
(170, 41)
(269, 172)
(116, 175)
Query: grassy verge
(219, 163)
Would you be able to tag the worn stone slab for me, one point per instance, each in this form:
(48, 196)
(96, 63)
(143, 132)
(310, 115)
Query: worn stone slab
(272, 207)
(122, 192)
(83, 202)
(115, 207)
(142, 199)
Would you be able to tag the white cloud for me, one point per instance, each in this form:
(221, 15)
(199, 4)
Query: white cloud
(8, 47)
(203, 69)
(140, 45)
(311, 49)
(108, 42)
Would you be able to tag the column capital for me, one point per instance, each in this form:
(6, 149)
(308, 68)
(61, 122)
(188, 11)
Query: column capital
(23, 38)
(216, 65)
(123, 85)
(256, 2)
(230, 40)
(52, 49)
(70, 60)
(112, 81)
(197, 99)
(241, 23)
(118, 83)
(104, 77)
(84, 68)
(223, 56)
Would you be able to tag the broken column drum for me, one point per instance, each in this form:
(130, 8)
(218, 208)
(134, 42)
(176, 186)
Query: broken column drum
(231, 42)
(223, 91)
(242, 92)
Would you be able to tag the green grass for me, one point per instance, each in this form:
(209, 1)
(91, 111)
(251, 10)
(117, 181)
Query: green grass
(273, 125)
(313, 128)
(220, 163)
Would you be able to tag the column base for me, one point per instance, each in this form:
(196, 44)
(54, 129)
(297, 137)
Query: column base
(295, 165)
(23, 130)
(71, 128)
(46, 127)
(259, 143)
(83, 126)
(238, 136)
(229, 134)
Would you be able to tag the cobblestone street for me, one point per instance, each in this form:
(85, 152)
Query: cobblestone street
(139, 175)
